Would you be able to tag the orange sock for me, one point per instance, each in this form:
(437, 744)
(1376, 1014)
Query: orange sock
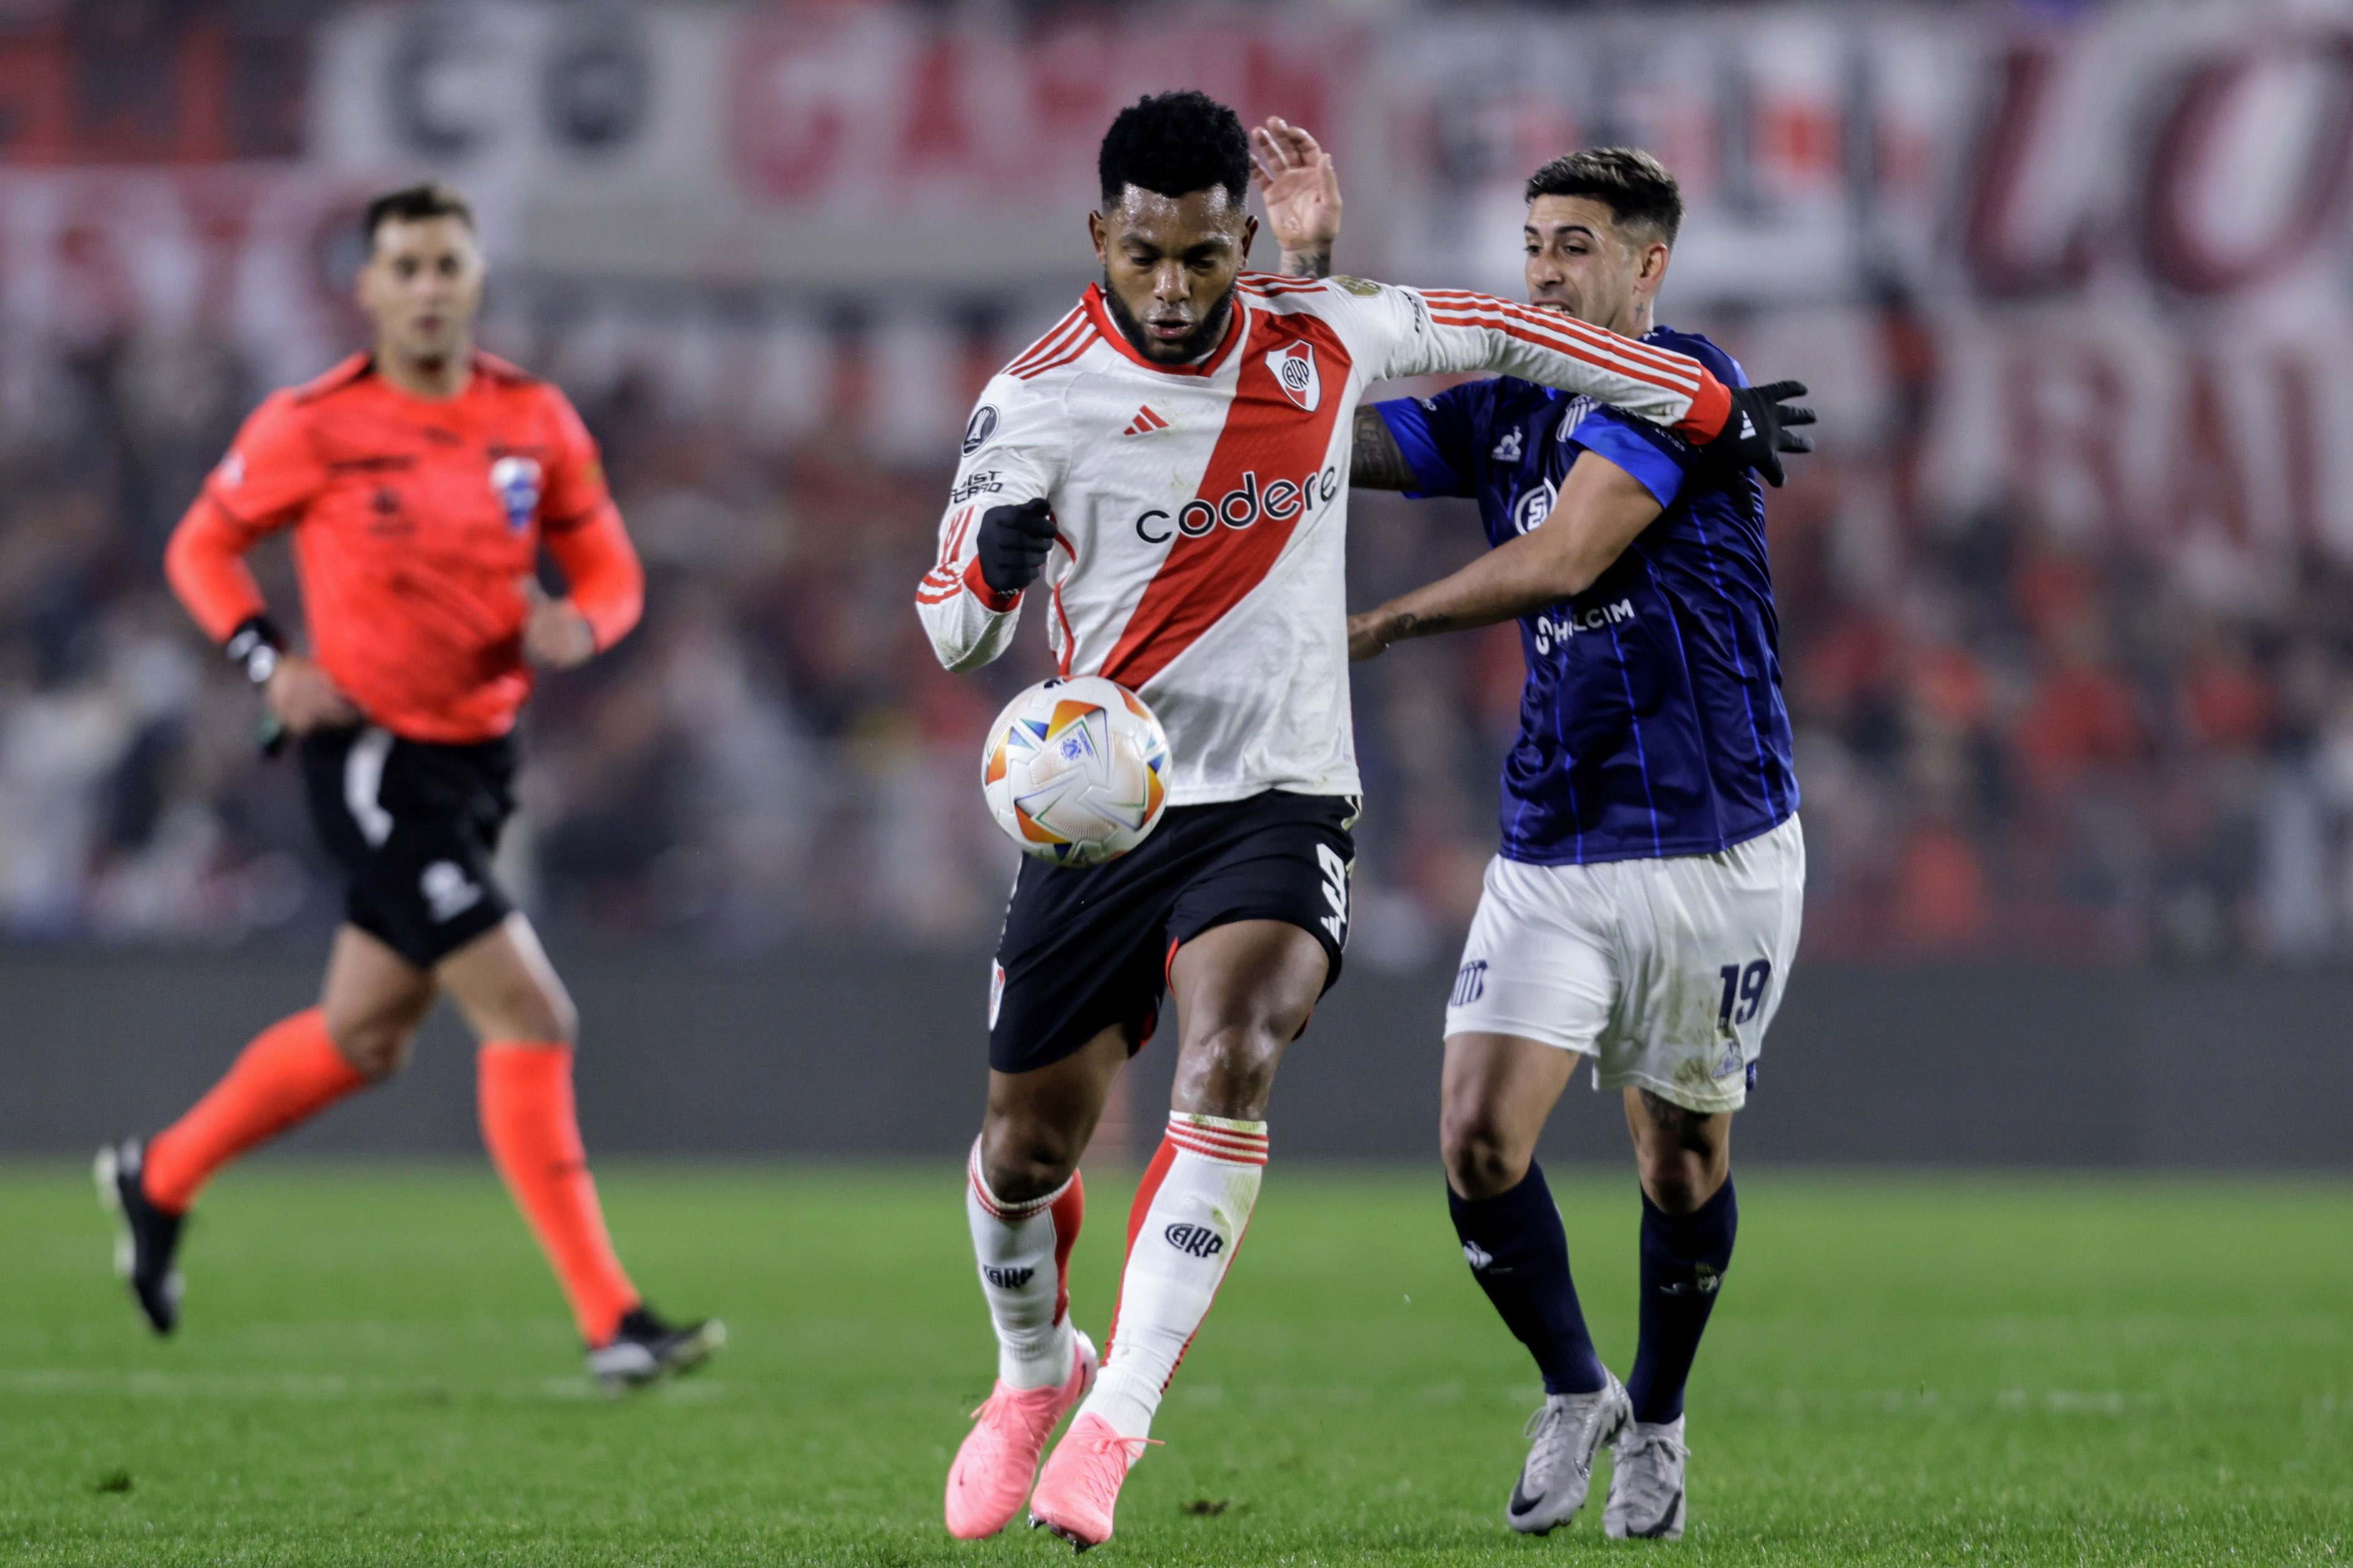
(533, 1134)
(289, 1074)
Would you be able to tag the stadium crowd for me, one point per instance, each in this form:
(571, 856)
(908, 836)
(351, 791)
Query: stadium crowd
(2010, 747)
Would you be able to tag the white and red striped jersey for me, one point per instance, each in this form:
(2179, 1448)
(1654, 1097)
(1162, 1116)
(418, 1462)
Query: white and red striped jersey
(1200, 511)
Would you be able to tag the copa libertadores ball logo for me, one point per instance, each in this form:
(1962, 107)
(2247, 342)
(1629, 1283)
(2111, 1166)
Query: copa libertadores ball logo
(982, 425)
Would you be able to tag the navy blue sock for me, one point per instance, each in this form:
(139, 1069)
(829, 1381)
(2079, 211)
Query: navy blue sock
(1519, 1255)
(1684, 1260)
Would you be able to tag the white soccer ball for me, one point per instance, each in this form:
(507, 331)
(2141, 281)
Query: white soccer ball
(1076, 770)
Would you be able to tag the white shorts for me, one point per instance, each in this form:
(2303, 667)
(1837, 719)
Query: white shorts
(1666, 972)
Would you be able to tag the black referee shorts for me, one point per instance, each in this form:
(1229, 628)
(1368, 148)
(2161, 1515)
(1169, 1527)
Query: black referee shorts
(1088, 947)
(414, 825)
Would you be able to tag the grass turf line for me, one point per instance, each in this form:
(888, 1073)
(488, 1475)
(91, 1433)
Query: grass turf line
(375, 1368)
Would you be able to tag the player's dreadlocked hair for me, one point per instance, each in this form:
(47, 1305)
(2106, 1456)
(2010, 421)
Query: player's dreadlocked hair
(414, 204)
(1634, 186)
(1175, 143)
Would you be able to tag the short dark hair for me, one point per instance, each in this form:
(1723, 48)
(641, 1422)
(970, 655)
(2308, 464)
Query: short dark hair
(413, 204)
(1175, 143)
(1634, 186)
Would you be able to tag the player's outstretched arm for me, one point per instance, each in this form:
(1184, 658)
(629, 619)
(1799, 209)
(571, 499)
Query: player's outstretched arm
(1301, 187)
(1737, 428)
(1601, 509)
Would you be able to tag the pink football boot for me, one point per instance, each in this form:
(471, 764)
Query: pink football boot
(990, 1478)
(1080, 1490)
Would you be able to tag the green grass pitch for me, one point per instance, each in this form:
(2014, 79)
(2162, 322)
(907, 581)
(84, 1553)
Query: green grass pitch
(375, 1369)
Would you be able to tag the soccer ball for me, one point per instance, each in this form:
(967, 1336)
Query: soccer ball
(1076, 770)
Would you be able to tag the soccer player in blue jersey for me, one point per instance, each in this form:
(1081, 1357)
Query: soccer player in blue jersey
(1645, 907)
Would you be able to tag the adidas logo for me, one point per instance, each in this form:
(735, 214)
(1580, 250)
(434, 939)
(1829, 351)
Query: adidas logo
(1146, 423)
(1478, 1257)
(1748, 427)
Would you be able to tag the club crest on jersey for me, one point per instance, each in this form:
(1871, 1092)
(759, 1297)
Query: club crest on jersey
(515, 481)
(1294, 371)
(1534, 506)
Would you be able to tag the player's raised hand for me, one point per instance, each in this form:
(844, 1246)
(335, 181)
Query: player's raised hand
(1296, 179)
(555, 636)
(1757, 430)
(303, 698)
(1013, 544)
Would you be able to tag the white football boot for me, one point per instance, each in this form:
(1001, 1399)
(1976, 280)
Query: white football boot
(1646, 1483)
(1565, 1434)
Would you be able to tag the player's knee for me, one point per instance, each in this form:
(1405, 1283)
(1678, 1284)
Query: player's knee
(526, 1010)
(378, 1048)
(1229, 1070)
(554, 1016)
(1023, 1159)
(1679, 1181)
(1481, 1159)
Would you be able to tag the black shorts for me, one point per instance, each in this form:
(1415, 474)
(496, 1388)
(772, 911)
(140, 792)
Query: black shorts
(1089, 947)
(414, 825)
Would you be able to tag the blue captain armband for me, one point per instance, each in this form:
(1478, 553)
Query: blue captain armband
(1654, 468)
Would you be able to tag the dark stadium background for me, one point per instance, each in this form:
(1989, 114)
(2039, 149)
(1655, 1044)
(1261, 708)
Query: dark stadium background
(2065, 597)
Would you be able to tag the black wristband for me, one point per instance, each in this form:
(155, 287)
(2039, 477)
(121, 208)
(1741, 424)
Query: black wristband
(254, 647)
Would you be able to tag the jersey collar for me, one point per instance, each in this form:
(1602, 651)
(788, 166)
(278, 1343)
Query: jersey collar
(1108, 330)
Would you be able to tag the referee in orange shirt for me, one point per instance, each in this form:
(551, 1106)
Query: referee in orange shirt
(420, 480)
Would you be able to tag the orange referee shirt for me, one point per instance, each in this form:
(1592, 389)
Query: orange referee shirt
(413, 521)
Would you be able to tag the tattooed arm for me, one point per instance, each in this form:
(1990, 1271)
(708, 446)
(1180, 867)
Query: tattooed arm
(1375, 460)
(1600, 510)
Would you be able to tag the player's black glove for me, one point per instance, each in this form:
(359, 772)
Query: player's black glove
(1756, 432)
(1013, 544)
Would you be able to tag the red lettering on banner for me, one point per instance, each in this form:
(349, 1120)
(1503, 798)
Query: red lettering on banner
(2208, 484)
(1266, 434)
(852, 108)
(1800, 140)
(937, 136)
(2189, 252)
(2067, 422)
(2300, 437)
(789, 126)
(1070, 72)
(1296, 90)
(2001, 258)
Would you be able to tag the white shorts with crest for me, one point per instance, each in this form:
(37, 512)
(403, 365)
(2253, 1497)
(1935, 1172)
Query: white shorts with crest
(1666, 972)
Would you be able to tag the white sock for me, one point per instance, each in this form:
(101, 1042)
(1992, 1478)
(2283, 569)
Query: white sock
(1196, 1202)
(1024, 1253)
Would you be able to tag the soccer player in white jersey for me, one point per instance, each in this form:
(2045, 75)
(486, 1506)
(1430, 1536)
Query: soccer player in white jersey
(1645, 907)
(1161, 478)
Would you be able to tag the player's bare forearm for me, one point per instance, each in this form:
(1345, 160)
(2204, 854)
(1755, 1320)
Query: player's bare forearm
(1307, 263)
(1376, 462)
(1600, 510)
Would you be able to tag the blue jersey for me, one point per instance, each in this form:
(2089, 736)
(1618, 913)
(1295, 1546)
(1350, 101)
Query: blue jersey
(1653, 722)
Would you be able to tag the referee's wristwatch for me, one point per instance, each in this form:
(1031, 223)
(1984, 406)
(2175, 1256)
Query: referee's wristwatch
(254, 647)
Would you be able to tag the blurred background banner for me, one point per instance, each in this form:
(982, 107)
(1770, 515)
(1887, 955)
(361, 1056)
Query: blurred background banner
(2066, 598)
